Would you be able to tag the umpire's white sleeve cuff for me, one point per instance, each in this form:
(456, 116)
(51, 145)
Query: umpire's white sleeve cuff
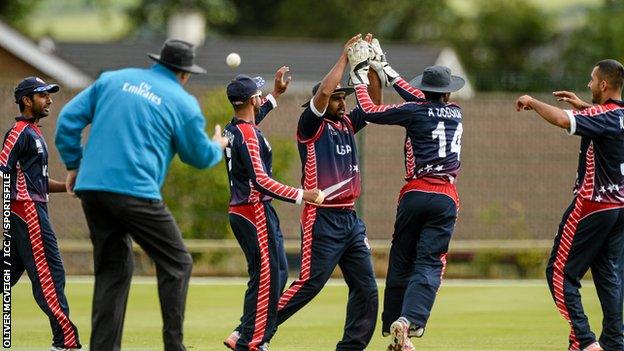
(572, 129)
(314, 110)
(272, 99)
(299, 198)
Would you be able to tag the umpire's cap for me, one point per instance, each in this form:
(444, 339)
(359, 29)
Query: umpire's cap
(347, 91)
(438, 79)
(178, 54)
(33, 85)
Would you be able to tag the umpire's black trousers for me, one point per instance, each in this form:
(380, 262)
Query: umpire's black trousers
(113, 219)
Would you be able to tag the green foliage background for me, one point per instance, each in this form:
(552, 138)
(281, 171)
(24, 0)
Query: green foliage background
(199, 198)
(505, 45)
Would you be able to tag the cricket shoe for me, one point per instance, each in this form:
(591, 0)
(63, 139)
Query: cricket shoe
(231, 340)
(54, 348)
(593, 347)
(414, 331)
(399, 332)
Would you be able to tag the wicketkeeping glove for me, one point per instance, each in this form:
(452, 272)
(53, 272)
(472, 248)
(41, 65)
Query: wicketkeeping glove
(378, 62)
(358, 55)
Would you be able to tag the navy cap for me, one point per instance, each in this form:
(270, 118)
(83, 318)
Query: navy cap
(242, 88)
(33, 85)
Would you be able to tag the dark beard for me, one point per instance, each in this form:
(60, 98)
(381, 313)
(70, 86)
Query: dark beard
(331, 116)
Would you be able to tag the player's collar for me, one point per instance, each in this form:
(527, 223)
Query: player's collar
(22, 118)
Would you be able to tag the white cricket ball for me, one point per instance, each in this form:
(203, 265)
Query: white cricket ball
(233, 60)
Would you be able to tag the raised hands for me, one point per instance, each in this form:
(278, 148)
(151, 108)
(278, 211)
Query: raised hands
(359, 54)
(378, 63)
(349, 44)
(281, 81)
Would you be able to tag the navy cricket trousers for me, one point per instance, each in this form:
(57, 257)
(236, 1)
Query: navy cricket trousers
(332, 237)
(424, 225)
(34, 249)
(256, 227)
(590, 236)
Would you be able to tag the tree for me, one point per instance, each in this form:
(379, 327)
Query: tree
(15, 12)
(600, 37)
(151, 16)
(497, 44)
(413, 20)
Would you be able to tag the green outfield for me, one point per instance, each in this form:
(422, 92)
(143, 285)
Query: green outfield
(490, 315)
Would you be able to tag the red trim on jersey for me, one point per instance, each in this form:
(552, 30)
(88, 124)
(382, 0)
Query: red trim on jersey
(264, 286)
(410, 161)
(427, 185)
(367, 104)
(596, 110)
(311, 178)
(308, 217)
(274, 188)
(28, 211)
(586, 191)
(401, 83)
(20, 184)
(10, 141)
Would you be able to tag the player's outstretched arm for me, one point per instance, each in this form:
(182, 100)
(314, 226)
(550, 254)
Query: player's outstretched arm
(572, 99)
(320, 100)
(551, 114)
(406, 91)
(381, 114)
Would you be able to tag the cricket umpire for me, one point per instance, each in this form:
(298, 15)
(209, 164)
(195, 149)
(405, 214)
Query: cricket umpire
(140, 118)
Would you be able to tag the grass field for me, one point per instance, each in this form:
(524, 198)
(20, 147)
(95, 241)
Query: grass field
(490, 315)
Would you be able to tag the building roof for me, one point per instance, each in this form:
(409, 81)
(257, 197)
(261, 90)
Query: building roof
(55, 67)
(309, 61)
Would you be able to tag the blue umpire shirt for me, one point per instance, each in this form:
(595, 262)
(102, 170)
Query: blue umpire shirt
(140, 118)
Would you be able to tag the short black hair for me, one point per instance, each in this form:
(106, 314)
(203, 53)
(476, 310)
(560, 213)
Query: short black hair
(22, 107)
(612, 71)
(431, 96)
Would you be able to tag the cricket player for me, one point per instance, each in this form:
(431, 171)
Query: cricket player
(332, 233)
(34, 248)
(591, 233)
(428, 202)
(252, 217)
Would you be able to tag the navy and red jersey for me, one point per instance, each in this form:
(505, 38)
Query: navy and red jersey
(600, 174)
(25, 157)
(432, 144)
(328, 153)
(248, 160)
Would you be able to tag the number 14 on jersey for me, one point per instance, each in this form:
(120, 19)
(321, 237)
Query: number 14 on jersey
(440, 134)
